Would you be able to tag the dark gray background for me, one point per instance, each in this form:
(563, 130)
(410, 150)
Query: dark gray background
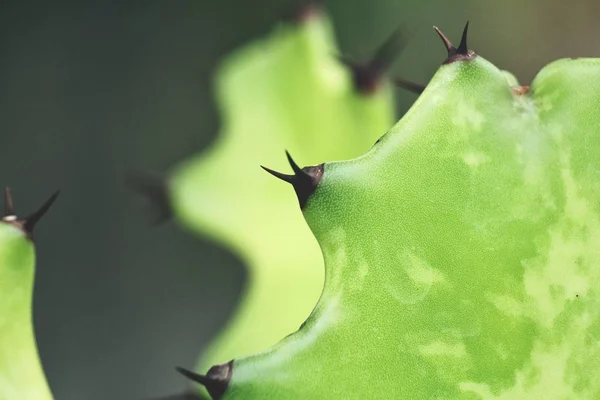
(91, 91)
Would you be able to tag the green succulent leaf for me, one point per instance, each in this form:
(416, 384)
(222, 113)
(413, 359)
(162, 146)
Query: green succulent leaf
(287, 91)
(21, 373)
(462, 252)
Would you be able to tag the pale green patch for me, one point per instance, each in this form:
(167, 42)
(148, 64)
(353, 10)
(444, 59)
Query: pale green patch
(420, 271)
(544, 377)
(467, 116)
(475, 158)
(561, 280)
(567, 267)
(420, 277)
(506, 304)
(442, 349)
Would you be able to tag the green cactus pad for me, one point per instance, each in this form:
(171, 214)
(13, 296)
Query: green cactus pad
(21, 373)
(462, 252)
(287, 91)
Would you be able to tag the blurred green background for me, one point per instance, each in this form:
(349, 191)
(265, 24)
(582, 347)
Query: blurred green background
(91, 91)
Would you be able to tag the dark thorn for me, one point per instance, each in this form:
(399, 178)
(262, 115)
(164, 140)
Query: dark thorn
(215, 381)
(27, 224)
(156, 189)
(410, 86)
(390, 49)
(447, 43)
(304, 180)
(462, 47)
(8, 203)
(284, 177)
(462, 53)
(295, 167)
(367, 75)
(31, 221)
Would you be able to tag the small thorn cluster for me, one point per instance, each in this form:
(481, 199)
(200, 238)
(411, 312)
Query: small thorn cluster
(304, 180)
(367, 75)
(459, 53)
(28, 223)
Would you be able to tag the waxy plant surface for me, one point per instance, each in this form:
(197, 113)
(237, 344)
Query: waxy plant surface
(462, 251)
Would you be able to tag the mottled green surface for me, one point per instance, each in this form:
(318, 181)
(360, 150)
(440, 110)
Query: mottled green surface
(287, 91)
(21, 374)
(462, 252)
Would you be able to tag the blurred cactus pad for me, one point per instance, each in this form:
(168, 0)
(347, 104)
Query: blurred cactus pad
(288, 91)
(462, 251)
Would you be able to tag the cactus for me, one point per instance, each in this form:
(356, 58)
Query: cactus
(287, 91)
(21, 374)
(462, 252)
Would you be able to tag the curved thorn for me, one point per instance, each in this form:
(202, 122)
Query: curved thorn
(410, 86)
(201, 379)
(284, 177)
(295, 167)
(367, 75)
(215, 381)
(462, 53)
(462, 47)
(8, 203)
(447, 43)
(31, 221)
(304, 180)
(388, 51)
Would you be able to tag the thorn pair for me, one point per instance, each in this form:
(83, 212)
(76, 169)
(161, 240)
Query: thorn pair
(304, 180)
(459, 53)
(367, 75)
(28, 223)
(215, 381)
